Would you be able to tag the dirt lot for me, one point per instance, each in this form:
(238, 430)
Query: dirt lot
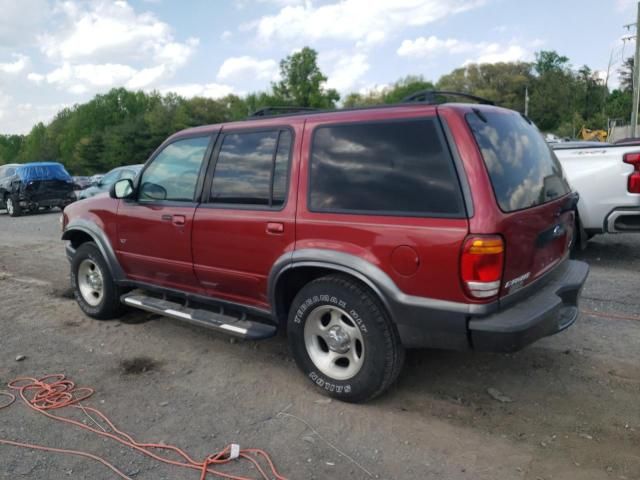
(574, 414)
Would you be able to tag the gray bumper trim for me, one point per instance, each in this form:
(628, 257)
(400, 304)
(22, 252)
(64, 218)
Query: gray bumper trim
(549, 310)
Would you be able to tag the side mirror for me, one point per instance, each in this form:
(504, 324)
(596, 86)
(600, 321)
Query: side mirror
(121, 189)
(152, 191)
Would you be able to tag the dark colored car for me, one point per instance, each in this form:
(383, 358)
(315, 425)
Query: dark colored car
(360, 232)
(31, 186)
(104, 183)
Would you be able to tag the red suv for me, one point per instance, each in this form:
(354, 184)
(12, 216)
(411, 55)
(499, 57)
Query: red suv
(358, 232)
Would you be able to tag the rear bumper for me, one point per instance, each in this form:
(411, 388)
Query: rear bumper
(37, 200)
(551, 309)
(623, 220)
(544, 308)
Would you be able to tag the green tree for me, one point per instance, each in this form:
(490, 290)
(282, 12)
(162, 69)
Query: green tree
(625, 75)
(37, 146)
(302, 82)
(550, 61)
(553, 99)
(555, 92)
(618, 106)
(122, 127)
(394, 93)
(503, 83)
(405, 87)
(10, 146)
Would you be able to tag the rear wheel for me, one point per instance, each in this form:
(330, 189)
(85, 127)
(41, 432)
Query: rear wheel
(580, 238)
(343, 339)
(13, 206)
(93, 286)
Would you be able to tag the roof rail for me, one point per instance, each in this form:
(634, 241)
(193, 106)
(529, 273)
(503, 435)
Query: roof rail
(267, 111)
(429, 96)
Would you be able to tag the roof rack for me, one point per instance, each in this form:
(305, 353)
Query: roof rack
(267, 111)
(429, 96)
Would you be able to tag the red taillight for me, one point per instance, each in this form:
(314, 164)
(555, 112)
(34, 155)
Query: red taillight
(481, 265)
(633, 184)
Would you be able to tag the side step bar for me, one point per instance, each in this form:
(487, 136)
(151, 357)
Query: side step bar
(238, 327)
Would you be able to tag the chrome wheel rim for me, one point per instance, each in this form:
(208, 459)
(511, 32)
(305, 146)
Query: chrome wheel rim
(90, 282)
(9, 206)
(334, 342)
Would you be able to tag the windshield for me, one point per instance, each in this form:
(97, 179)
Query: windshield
(524, 171)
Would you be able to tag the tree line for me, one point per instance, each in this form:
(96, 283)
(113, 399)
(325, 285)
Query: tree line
(123, 127)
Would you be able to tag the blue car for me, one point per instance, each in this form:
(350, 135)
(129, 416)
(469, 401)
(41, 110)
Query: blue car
(31, 186)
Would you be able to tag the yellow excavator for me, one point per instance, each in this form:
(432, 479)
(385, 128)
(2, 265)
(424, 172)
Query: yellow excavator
(593, 135)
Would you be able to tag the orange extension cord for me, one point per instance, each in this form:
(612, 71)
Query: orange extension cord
(55, 392)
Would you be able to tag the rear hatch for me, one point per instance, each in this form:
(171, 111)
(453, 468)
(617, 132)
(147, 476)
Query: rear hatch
(529, 185)
(45, 181)
(40, 190)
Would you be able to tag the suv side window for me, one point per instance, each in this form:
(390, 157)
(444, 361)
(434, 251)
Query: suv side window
(252, 169)
(173, 173)
(397, 167)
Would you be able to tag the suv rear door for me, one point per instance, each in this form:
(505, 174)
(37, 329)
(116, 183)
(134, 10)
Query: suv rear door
(535, 214)
(382, 185)
(246, 221)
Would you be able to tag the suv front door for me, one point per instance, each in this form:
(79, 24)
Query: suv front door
(154, 229)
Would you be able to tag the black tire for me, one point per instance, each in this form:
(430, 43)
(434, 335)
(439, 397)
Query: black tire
(383, 355)
(13, 206)
(580, 237)
(109, 305)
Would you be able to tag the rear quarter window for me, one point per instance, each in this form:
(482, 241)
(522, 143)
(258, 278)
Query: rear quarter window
(524, 171)
(384, 168)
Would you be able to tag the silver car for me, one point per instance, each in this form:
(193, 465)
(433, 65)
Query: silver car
(103, 185)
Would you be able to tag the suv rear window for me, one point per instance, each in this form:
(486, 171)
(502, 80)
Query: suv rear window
(524, 171)
(384, 168)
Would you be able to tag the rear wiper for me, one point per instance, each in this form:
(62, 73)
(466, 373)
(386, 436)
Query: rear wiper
(527, 119)
(480, 115)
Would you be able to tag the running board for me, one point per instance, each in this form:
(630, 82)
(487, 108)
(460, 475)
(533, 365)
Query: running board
(238, 327)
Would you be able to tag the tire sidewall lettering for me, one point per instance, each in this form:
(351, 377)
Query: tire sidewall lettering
(328, 299)
(329, 386)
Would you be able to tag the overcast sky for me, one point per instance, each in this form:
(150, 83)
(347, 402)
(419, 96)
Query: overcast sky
(58, 53)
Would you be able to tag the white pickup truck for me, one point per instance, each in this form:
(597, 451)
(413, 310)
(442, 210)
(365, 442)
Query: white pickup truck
(607, 177)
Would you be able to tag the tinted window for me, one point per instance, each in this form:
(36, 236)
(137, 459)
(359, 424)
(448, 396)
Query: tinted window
(524, 171)
(250, 167)
(173, 174)
(399, 167)
(281, 169)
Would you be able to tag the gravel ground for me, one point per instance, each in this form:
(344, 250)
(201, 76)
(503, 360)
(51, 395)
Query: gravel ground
(574, 411)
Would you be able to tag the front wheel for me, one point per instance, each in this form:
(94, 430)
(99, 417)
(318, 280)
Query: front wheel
(13, 207)
(93, 286)
(343, 340)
